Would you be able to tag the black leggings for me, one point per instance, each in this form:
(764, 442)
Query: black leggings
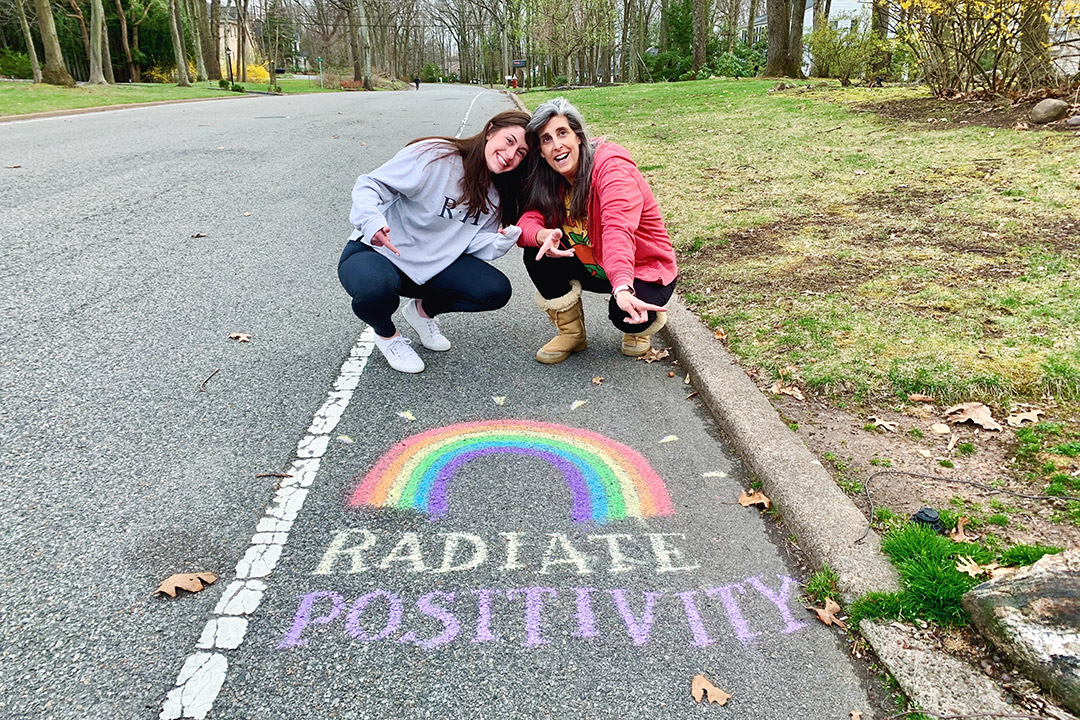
(552, 277)
(377, 286)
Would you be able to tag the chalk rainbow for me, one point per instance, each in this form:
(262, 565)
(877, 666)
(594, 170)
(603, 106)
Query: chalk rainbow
(607, 480)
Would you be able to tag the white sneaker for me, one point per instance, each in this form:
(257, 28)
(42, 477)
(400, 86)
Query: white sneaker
(399, 353)
(427, 328)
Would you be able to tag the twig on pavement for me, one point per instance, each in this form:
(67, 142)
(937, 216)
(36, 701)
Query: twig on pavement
(202, 387)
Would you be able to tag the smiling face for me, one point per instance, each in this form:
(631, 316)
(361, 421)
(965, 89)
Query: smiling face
(505, 148)
(561, 147)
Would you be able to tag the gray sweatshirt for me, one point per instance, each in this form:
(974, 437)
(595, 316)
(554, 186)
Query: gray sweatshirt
(411, 194)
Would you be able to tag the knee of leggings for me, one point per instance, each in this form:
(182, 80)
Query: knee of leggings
(498, 294)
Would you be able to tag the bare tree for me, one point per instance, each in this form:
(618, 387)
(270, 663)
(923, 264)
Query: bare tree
(35, 67)
(179, 53)
(97, 26)
(700, 16)
(54, 71)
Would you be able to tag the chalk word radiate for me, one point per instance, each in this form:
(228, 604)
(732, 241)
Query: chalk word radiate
(360, 550)
(478, 615)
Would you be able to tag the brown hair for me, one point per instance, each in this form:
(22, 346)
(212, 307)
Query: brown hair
(478, 179)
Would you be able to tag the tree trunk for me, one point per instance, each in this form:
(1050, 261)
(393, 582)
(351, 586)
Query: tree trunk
(241, 40)
(366, 35)
(699, 34)
(354, 42)
(35, 68)
(124, 41)
(215, 35)
(177, 28)
(750, 23)
(54, 71)
(97, 26)
(795, 40)
(879, 18)
(778, 13)
(77, 13)
(189, 9)
(209, 45)
(106, 51)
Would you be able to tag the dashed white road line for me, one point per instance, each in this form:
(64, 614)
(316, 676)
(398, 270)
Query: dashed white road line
(203, 673)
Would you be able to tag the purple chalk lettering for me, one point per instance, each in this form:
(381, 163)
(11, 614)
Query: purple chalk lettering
(451, 626)
(697, 627)
(393, 616)
(586, 621)
(483, 622)
(639, 630)
(303, 616)
(742, 629)
(780, 600)
(534, 602)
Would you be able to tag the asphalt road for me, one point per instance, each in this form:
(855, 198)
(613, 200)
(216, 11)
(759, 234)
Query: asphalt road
(575, 552)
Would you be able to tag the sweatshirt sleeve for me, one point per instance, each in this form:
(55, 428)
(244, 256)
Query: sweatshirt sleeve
(493, 245)
(530, 223)
(621, 202)
(402, 175)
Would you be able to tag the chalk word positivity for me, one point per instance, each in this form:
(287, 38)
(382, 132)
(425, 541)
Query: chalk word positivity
(584, 584)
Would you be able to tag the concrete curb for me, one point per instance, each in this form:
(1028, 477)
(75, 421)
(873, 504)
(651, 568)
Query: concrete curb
(123, 106)
(825, 521)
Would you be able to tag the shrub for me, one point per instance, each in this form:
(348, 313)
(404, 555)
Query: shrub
(15, 64)
(430, 73)
(731, 65)
(257, 74)
(846, 53)
(223, 83)
(237, 87)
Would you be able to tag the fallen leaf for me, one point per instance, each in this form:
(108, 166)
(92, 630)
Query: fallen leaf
(700, 687)
(965, 564)
(407, 414)
(499, 399)
(883, 424)
(192, 582)
(691, 394)
(686, 380)
(828, 613)
(345, 439)
(335, 137)
(719, 334)
(1018, 419)
(577, 403)
(778, 388)
(598, 380)
(198, 235)
(242, 337)
(13, 167)
(940, 428)
(860, 172)
(756, 498)
(952, 443)
(919, 397)
(669, 438)
(652, 355)
(714, 473)
(959, 535)
(856, 715)
(671, 373)
(975, 412)
(247, 214)
(925, 453)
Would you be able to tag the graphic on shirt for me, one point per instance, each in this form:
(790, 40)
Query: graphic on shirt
(607, 480)
(576, 234)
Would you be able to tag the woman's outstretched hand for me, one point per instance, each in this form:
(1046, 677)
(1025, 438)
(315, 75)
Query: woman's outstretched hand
(549, 244)
(637, 311)
(382, 239)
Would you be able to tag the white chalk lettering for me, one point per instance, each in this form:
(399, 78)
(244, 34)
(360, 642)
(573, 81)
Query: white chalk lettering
(513, 545)
(354, 553)
(619, 562)
(408, 551)
(450, 546)
(570, 555)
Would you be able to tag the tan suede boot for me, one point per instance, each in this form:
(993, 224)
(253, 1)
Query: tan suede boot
(638, 344)
(568, 317)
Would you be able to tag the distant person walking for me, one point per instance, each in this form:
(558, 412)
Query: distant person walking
(425, 222)
(592, 224)
(416, 82)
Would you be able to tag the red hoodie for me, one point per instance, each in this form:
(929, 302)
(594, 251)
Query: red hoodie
(626, 231)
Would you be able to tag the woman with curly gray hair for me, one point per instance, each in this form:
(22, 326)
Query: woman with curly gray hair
(595, 225)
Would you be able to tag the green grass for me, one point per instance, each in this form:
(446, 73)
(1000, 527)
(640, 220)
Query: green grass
(22, 98)
(822, 584)
(879, 259)
(1026, 554)
(931, 587)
